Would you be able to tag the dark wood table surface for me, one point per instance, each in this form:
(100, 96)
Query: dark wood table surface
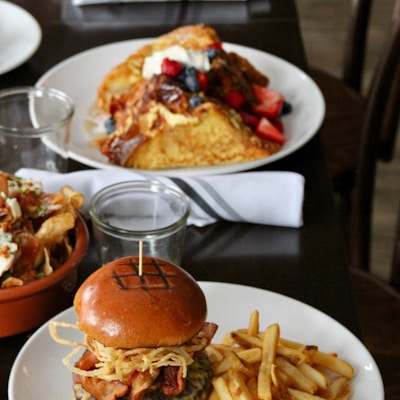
(308, 264)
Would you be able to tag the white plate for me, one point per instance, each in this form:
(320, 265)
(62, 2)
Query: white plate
(80, 76)
(38, 372)
(20, 36)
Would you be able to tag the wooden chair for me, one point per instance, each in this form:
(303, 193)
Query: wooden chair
(358, 130)
(378, 304)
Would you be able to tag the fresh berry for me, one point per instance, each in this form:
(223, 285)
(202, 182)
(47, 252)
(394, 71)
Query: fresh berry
(216, 45)
(268, 131)
(286, 108)
(269, 102)
(203, 80)
(190, 70)
(187, 71)
(192, 83)
(212, 52)
(277, 123)
(171, 68)
(250, 119)
(181, 76)
(195, 101)
(110, 125)
(234, 99)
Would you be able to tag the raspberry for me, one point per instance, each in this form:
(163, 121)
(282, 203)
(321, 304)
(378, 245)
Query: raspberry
(171, 68)
(203, 80)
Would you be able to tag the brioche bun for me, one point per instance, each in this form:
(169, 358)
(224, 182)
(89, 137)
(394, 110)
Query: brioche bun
(163, 307)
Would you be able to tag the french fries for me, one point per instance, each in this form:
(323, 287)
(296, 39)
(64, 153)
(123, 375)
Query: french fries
(270, 343)
(250, 364)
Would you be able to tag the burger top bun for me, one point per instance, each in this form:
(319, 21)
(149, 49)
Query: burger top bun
(163, 307)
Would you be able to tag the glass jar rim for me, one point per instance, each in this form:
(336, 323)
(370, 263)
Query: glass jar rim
(41, 92)
(111, 190)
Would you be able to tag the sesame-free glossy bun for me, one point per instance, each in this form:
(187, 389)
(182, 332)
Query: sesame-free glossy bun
(163, 307)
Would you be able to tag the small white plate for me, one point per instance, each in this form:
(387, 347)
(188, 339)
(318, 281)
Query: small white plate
(79, 76)
(38, 372)
(20, 36)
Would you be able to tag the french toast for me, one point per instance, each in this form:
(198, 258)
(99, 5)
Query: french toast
(120, 79)
(171, 113)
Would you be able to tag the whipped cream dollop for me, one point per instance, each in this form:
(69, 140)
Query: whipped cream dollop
(193, 58)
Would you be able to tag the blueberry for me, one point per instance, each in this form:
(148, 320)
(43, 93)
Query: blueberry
(186, 71)
(286, 108)
(212, 52)
(190, 71)
(110, 125)
(181, 76)
(195, 101)
(192, 83)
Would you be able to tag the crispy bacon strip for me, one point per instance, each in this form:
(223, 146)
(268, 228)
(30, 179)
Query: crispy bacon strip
(101, 389)
(174, 382)
(140, 382)
(208, 331)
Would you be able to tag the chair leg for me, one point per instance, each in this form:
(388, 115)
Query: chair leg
(360, 219)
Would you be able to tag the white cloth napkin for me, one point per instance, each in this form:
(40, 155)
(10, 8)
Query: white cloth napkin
(270, 198)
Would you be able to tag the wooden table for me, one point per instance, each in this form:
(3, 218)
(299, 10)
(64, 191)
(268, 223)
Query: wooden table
(308, 264)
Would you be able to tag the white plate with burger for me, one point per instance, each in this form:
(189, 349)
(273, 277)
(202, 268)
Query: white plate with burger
(38, 371)
(80, 75)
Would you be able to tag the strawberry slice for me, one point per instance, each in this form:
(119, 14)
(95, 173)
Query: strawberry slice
(171, 68)
(270, 102)
(277, 123)
(234, 99)
(268, 131)
(250, 119)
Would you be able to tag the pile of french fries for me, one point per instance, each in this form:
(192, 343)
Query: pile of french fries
(249, 365)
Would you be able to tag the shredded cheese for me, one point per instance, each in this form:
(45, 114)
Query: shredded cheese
(118, 364)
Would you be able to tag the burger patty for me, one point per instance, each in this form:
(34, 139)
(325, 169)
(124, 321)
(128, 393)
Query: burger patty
(198, 382)
(197, 387)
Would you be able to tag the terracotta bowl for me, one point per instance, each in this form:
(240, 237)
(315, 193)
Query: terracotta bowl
(26, 307)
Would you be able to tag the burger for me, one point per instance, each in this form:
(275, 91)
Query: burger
(145, 330)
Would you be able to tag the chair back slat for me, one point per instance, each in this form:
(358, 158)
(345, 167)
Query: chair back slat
(390, 124)
(355, 46)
